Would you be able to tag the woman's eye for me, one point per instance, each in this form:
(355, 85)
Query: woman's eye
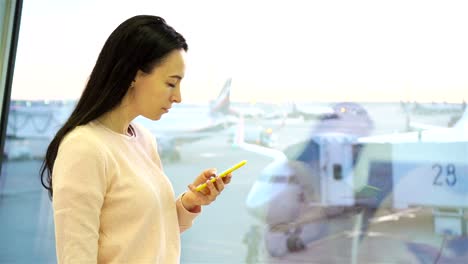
(171, 85)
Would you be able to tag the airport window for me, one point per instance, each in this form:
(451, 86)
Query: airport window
(366, 119)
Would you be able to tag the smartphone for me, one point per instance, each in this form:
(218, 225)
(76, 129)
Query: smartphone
(222, 174)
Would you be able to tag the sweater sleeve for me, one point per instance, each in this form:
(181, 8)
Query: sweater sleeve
(79, 187)
(184, 216)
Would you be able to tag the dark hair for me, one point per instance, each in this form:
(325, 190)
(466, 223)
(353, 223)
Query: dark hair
(139, 43)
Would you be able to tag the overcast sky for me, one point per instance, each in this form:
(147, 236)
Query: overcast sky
(274, 50)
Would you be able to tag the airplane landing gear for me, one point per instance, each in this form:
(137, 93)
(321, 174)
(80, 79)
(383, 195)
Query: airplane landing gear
(279, 243)
(295, 243)
(275, 243)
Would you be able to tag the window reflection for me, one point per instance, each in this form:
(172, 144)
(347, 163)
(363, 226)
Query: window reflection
(367, 191)
(334, 175)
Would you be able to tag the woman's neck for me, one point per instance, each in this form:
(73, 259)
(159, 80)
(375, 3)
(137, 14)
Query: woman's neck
(117, 121)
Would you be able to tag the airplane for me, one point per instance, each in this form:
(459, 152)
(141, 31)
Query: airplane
(308, 112)
(185, 124)
(433, 108)
(304, 112)
(343, 170)
(251, 111)
(279, 186)
(418, 126)
(32, 124)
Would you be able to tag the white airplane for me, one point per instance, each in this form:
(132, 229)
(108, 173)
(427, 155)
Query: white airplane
(342, 169)
(308, 112)
(302, 112)
(33, 122)
(281, 194)
(433, 108)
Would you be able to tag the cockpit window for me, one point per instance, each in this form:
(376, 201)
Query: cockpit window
(293, 179)
(279, 179)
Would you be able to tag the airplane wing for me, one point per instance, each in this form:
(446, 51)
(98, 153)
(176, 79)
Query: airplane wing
(457, 119)
(316, 112)
(427, 133)
(188, 123)
(308, 112)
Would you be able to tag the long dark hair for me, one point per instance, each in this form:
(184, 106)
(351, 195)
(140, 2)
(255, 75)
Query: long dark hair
(139, 43)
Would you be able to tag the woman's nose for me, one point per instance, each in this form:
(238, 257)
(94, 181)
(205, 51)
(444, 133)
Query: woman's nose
(176, 96)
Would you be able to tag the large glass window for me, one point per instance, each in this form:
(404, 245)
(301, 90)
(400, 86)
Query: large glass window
(351, 114)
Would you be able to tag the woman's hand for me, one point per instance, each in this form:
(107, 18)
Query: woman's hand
(192, 200)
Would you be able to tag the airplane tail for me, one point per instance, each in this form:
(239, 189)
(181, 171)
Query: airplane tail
(222, 104)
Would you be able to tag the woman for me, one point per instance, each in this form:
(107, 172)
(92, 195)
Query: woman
(112, 201)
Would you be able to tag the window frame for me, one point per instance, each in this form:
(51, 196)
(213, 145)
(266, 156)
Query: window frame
(11, 14)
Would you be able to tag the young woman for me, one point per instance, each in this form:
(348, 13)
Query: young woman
(112, 201)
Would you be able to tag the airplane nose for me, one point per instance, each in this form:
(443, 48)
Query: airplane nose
(273, 203)
(257, 202)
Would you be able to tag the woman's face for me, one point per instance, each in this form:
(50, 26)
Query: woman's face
(154, 93)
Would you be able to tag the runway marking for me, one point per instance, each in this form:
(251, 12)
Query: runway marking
(408, 213)
(376, 234)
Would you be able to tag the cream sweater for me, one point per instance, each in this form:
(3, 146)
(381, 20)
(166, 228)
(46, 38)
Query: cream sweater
(112, 201)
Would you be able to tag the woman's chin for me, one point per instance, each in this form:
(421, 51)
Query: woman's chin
(153, 117)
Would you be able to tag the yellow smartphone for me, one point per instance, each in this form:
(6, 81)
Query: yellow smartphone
(222, 174)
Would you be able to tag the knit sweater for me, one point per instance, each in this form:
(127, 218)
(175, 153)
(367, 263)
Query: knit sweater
(112, 201)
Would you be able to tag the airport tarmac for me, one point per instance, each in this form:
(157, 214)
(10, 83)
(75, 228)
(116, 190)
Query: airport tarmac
(218, 233)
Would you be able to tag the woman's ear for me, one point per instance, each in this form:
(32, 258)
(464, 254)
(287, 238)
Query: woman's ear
(136, 79)
(138, 75)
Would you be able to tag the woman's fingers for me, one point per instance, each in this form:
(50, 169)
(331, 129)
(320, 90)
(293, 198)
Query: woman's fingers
(227, 178)
(213, 191)
(206, 195)
(198, 194)
(219, 184)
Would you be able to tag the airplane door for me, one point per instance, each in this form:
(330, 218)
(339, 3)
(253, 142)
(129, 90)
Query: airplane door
(338, 172)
